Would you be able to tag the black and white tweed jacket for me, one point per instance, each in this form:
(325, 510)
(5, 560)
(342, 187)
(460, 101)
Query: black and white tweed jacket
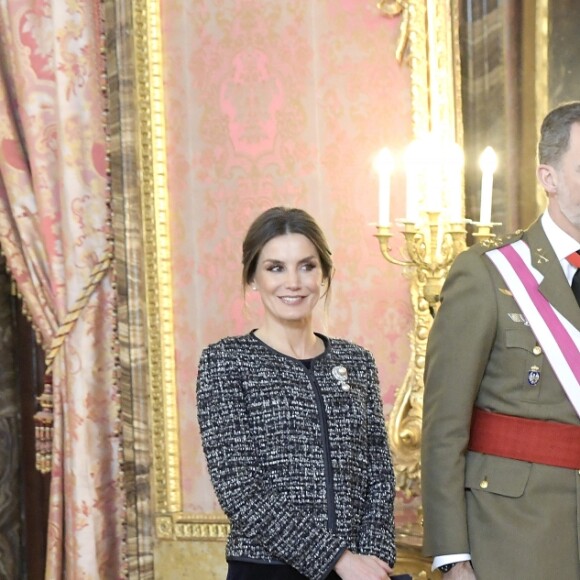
(300, 466)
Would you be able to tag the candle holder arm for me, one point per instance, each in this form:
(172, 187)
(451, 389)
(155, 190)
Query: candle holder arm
(384, 236)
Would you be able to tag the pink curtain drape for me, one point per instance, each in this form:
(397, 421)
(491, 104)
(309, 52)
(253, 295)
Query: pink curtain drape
(55, 232)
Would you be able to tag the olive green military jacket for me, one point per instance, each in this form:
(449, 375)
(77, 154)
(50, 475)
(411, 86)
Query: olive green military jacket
(516, 519)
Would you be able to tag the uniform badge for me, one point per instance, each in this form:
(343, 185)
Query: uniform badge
(540, 257)
(518, 317)
(534, 375)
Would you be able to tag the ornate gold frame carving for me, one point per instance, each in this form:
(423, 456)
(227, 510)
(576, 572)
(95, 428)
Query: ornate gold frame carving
(191, 527)
(430, 31)
(430, 40)
(171, 523)
(169, 519)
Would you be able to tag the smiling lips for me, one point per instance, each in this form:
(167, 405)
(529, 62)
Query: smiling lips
(290, 300)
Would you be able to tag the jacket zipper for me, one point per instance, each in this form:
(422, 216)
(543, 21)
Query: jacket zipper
(326, 452)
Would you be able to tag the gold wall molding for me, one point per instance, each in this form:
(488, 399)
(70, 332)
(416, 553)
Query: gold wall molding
(157, 252)
(191, 527)
(171, 523)
(406, 417)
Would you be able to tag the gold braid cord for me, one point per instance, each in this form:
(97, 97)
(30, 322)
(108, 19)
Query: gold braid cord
(43, 419)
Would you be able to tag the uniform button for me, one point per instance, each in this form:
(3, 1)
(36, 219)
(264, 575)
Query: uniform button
(483, 484)
(537, 350)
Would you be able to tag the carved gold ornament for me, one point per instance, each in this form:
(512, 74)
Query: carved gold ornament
(429, 42)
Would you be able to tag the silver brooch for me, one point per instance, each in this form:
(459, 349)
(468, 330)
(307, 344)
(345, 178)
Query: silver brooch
(340, 374)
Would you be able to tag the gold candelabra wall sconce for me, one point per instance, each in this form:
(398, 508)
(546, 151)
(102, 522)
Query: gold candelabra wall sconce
(433, 238)
(430, 249)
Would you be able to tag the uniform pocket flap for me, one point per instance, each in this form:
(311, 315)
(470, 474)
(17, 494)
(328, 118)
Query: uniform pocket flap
(497, 475)
(520, 338)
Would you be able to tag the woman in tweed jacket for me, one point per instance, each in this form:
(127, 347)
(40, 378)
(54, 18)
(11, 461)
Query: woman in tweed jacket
(292, 425)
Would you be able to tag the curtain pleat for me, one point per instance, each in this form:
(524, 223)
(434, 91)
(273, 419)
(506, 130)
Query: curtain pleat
(55, 231)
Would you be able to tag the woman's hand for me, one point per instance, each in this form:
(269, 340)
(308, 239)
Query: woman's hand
(352, 566)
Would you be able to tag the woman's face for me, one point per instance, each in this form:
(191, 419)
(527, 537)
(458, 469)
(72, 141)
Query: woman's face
(289, 278)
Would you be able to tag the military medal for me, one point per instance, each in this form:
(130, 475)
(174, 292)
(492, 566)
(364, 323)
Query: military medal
(518, 317)
(340, 374)
(534, 375)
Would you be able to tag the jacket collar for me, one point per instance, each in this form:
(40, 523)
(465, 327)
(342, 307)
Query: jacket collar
(554, 286)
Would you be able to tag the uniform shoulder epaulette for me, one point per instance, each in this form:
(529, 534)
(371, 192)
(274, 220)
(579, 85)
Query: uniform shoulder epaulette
(500, 241)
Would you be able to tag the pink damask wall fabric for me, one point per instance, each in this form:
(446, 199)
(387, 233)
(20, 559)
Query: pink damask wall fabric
(279, 103)
(55, 232)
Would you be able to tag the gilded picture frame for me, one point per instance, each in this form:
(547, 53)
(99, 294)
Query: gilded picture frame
(427, 75)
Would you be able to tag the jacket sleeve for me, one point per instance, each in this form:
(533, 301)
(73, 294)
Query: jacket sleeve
(377, 535)
(262, 514)
(458, 348)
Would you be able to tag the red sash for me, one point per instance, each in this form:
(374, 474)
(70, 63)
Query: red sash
(532, 440)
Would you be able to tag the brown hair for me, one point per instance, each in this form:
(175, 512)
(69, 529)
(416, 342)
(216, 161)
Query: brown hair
(278, 221)
(555, 132)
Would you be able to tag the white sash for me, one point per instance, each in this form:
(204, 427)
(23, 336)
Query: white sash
(559, 339)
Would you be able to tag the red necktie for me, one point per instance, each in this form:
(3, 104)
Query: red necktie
(574, 259)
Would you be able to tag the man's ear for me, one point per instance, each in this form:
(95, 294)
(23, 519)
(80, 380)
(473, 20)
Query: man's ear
(548, 178)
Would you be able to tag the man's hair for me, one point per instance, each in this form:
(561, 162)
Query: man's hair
(555, 132)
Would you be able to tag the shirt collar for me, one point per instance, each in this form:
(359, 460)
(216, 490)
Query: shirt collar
(563, 243)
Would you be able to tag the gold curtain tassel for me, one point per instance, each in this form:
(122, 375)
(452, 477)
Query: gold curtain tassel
(43, 420)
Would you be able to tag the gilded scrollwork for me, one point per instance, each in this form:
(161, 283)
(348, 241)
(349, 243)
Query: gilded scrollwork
(406, 416)
(391, 7)
(430, 32)
(191, 527)
(429, 43)
(394, 8)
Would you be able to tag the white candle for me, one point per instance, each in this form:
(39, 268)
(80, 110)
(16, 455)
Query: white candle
(430, 154)
(454, 189)
(488, 164)
(412, 174)
(383, 165)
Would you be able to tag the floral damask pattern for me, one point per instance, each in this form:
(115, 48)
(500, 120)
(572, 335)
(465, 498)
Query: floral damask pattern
(55, 233)
(279, 103)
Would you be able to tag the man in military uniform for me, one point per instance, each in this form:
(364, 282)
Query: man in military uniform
(501, 431)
